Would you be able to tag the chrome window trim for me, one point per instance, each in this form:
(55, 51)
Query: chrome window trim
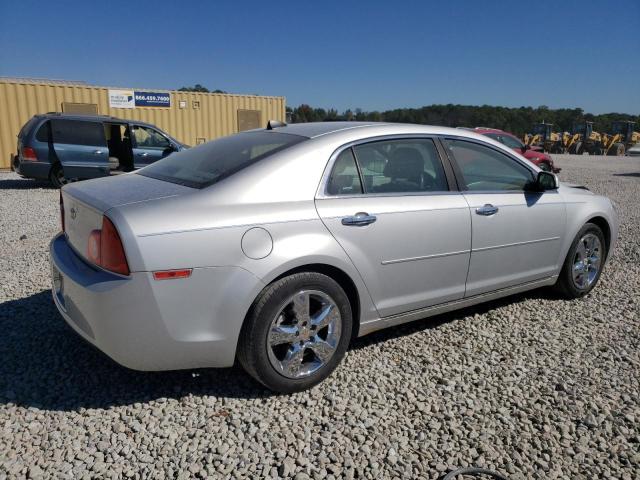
(321, 192)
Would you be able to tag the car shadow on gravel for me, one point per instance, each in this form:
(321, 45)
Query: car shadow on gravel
(423, 324)
(24, 184)
(45, 364)
(630, 174)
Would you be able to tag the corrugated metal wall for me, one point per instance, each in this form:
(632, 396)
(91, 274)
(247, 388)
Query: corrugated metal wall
(215, 117)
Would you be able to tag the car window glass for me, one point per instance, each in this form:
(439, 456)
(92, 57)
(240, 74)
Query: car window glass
(401, 166)
(77, 132)
(43, 133)
(211, 162)
(27, 126)
(484, 168)
(146, 137)
(344, 179)
(510, 142)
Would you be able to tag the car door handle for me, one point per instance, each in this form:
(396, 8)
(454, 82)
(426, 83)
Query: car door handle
(97, 152)
(360, 219)
(487, 210)
(145, 154)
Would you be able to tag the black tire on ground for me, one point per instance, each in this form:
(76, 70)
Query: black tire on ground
(565, 284)
(617, 149)
(597, 150)
(15, 164)
(578, 149)
(56, 176)
(253, 353)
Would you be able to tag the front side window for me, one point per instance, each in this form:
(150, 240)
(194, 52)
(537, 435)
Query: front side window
(146, 137)
(401, 166)
(77, 132)
(206, 164)
(486, 169)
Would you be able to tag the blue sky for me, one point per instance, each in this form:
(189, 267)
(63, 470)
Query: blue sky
(371, 55)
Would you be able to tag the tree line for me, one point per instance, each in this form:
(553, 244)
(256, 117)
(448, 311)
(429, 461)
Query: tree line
(516, 120)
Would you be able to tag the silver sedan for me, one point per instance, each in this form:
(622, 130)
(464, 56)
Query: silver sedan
(279, 246)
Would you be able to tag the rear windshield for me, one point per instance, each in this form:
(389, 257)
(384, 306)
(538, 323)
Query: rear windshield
(25, 128)
(206, 164)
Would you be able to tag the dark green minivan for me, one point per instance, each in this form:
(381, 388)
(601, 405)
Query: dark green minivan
(66, 147)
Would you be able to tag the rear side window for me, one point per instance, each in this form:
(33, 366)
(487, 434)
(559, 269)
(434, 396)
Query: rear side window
(44, 132)
(486, 169)
(77, 132)
(206, 164)
(344, 179)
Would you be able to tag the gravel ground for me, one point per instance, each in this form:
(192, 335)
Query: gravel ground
(532, 386)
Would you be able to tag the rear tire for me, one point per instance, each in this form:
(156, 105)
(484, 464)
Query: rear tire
(584, 263)
(56, 176)
(288, 350)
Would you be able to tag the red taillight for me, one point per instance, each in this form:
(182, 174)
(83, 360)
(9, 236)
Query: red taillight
(104, 248)
(112, 251)
(62, 212)
(29, 154)
(170, 274)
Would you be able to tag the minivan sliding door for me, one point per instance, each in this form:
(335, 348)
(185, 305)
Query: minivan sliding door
(81, 148)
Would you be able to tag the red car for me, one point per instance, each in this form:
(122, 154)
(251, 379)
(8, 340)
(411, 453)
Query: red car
(533, 154)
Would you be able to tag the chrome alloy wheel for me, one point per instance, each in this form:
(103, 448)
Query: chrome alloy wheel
(304, 334)
(587, 261)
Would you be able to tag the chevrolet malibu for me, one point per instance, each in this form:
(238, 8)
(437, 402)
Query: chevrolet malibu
(277, 247)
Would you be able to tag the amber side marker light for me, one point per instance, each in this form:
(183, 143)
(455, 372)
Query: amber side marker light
(171, 274)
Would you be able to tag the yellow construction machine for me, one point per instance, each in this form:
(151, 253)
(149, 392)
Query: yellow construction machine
(622, 138)
(544, 136)
(583, 139)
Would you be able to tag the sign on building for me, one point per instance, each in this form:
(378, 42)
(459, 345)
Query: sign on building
(153, 99)
(121, 99)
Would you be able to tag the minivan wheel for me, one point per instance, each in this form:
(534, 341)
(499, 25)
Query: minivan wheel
(296, 332)
(583, 265)
(56, 176)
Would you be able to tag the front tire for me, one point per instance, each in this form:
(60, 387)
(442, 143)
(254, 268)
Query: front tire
(584, 262)
(296, 332)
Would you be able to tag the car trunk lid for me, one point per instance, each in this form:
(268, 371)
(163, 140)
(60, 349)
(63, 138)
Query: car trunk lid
(86, 202)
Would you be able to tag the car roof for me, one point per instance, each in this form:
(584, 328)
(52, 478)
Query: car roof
(99, 118)
(316, 129)
(483, 130)
(360, 130)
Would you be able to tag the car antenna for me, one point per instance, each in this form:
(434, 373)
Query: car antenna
(271, 124)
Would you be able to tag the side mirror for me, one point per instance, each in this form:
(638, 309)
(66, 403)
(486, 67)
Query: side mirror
(546, 181)
(170, 149)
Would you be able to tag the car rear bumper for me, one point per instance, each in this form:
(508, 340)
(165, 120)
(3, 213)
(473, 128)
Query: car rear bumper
(38, 170)
(146, 324)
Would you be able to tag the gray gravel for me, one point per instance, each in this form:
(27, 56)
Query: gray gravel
(532, 386)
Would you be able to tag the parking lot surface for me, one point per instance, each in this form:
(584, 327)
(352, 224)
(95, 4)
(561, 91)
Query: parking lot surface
(532, 386)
